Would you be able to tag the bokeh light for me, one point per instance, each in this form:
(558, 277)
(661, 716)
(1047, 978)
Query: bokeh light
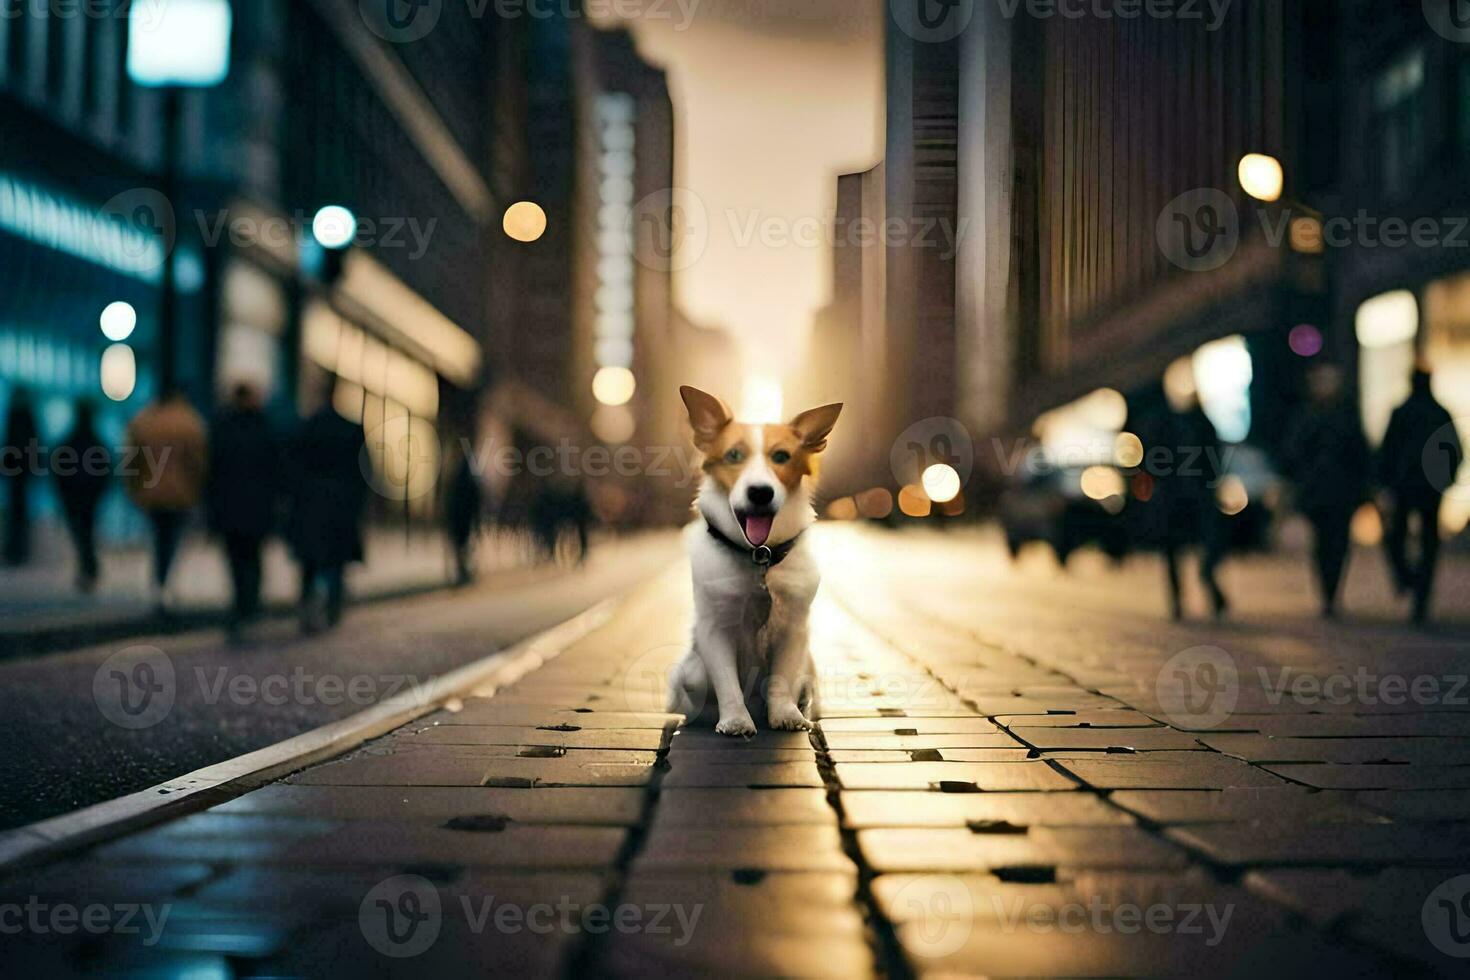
(525, 221)
(1305, 340)
(118, 321)
(1261, 177)
(614, 385)
(941, 483)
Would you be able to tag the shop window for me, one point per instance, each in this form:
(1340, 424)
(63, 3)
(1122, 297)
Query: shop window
(1387, 329)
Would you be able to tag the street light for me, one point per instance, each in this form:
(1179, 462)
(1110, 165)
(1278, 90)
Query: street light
(1261, 177)
(175, 46)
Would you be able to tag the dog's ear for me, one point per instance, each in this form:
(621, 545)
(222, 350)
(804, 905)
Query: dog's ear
(815, 424)
(707, 414)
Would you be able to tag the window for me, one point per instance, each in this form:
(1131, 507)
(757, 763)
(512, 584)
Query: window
(1398, 123)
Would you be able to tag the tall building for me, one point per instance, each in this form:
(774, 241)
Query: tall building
(326, 102)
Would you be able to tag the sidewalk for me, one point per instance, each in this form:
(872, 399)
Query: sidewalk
(1004, 783)
(41, 610)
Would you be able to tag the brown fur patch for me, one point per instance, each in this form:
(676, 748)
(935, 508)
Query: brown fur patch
(799, 461)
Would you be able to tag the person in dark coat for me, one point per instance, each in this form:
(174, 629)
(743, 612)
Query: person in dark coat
(244, 465)
(1418, 461)
(463, 514)
(1327, 457)
(20, 448)
(1184, 497)
(328, 492)
(83, 467)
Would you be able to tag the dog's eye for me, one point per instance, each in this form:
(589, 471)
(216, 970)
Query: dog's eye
(734, 456)
(780, 456)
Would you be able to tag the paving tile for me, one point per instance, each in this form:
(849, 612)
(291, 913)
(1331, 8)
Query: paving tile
(700, 807)
(440, 768)
(953, 776)
(484, 711)
(911, 726)
(764, 738)
(102, 882)
(1338, 843)
(737, 755)
(565, 771)
(907, 743)
(646, 739)
(1375, 777)
(531, 847)
(957, 849)
(1012, 707)
(1110, 718)
(688, 774)
(1242, 804)
(1098, 924)
(1054, 737)
(1436, 724)
(1430, 805)
(750, 924)
(902, 809)
(1164, 770)
(1366, 750)
(933, 755)
(803, 847)
(437, 804)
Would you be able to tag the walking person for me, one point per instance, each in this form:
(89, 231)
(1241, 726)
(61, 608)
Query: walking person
(463, 514)
(1418, 461)
(1327, 457)
(17, 463)
(244, 467)
(1185, 499)
(169, 443)
(82, 475)
(328, 493)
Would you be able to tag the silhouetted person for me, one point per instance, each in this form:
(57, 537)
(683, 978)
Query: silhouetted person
(166, 480)
(463, 513)
(1420, 445)
(244, 469)
(82, 475)
(1328, 459)
(18, 464)
(1185, 497)
(328, 492)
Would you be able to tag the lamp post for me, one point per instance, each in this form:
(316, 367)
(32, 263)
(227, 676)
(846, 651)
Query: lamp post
(183, 44)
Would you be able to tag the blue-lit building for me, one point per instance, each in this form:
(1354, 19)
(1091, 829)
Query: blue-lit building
(325, 102)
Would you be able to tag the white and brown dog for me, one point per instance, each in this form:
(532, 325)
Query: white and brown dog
(754, 577)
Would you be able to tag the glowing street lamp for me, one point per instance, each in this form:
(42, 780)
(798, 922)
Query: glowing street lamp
(1261, 177)
(173, 46)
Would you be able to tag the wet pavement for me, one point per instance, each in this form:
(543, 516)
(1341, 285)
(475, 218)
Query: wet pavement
(1017, 774)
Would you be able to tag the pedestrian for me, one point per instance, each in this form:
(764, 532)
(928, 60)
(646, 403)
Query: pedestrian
(82, 476)
(463, 513)
(18, 458)
(1184, 497)
(328, 492)
(169, 439)
(244, 469)
(1421, 438)
(1327, 457)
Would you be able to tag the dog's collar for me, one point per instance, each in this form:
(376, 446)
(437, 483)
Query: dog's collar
(761, 555)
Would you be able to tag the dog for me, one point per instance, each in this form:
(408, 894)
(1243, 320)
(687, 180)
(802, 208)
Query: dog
(754, 574)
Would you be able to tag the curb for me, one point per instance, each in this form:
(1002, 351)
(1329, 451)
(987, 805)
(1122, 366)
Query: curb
(39, 842)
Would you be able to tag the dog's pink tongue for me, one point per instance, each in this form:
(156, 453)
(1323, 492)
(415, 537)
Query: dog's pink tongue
(758, 528)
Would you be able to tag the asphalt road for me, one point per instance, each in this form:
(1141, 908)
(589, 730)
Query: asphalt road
(71, 744)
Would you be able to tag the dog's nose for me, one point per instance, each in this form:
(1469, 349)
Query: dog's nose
(760, 496)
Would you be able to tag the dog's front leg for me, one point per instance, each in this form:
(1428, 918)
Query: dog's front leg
(791, 670)
(717, 649)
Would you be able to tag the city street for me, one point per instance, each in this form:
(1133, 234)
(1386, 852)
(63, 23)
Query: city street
(1018, 772)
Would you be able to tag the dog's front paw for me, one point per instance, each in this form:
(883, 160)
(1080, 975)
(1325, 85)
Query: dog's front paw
(739, 726)
(788, 718)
